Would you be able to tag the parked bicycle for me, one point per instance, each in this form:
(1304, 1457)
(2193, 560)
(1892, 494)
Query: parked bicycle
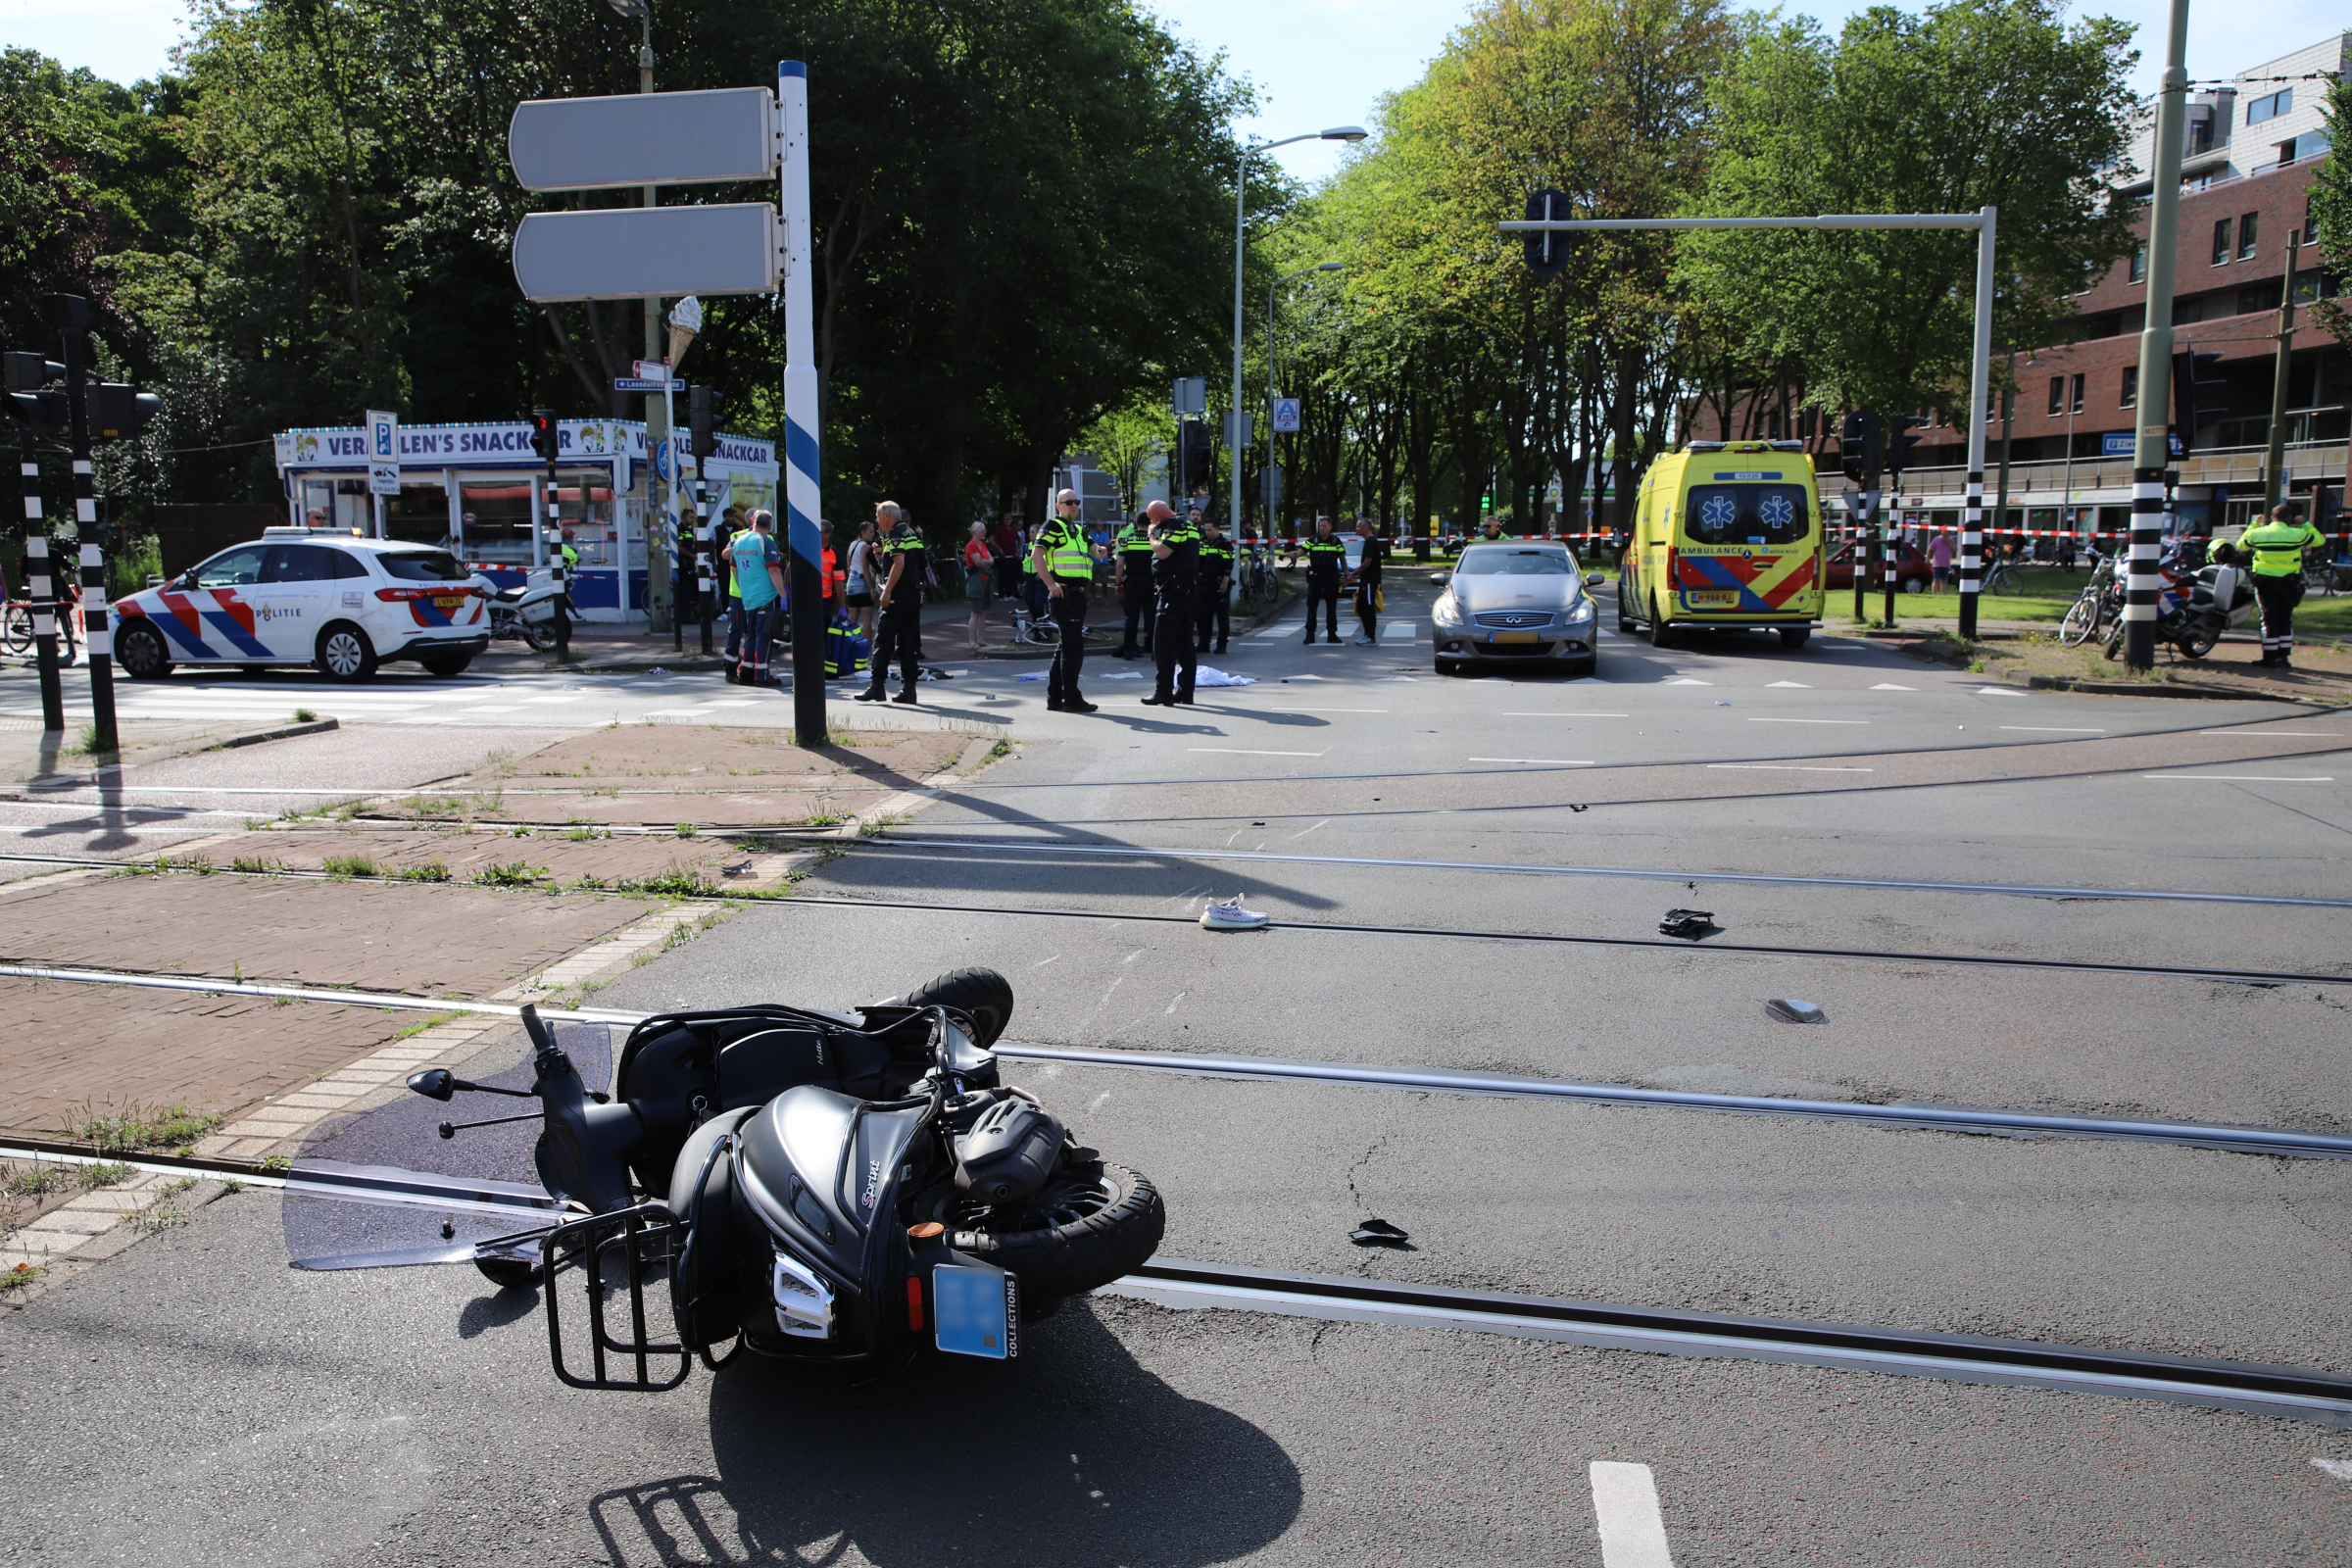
(16, 630)
(2100, 605)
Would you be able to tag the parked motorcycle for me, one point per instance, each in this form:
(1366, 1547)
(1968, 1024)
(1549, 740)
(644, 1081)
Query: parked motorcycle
(829, 1187)
(527, 612)
(2193, 608)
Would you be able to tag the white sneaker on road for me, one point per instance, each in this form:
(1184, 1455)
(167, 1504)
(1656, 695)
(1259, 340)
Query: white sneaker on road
(1231, 916)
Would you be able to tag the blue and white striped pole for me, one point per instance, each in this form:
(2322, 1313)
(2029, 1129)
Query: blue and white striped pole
(803, 500)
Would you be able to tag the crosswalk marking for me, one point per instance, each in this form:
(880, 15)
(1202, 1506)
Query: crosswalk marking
(1625, 1506)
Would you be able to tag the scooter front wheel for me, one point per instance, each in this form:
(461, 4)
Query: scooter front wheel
(1089, 1225)
(540, 634)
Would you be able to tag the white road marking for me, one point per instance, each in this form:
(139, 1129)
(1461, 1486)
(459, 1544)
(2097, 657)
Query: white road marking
(2246, 778)
(558, 697)
(1545, 761)
(1239, 751)
(1625, 1503)
(1042, 963)
(2310, 734)
(2341, 1469)
(1799, 684)
(1808, 721)
(1512, 713)
(1180, 996)
(1687, 681)
(1997, 691)
(1890, 686)
(2052, 730)
(1304, 831)
(1326, 709)
(1788, 767)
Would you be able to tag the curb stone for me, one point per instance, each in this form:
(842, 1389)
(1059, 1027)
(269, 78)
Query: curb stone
(2159, 688)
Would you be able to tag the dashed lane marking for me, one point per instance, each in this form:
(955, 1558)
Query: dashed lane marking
(1808, 721)
(1625, 1506)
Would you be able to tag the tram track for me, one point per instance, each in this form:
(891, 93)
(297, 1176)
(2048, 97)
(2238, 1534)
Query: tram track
(2295, 1393)
(1912, 1114)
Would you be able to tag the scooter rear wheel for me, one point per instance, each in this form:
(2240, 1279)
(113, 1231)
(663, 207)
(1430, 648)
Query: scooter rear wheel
(1089, 1225)
(981, 995)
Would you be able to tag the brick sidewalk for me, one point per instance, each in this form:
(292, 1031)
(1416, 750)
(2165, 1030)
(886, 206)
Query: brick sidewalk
(439, 941)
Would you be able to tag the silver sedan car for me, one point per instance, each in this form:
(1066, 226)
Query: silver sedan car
(1516, 602)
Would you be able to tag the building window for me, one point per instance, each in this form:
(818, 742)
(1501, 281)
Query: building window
(2057, 394)
(2078, 398)
(2140, 262)
(2245, 236)
(2270, 106)
(2130, 393)
(2220, 240)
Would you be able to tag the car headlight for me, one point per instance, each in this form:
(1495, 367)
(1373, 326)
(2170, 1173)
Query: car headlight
(1446, 613)
(1582, 609)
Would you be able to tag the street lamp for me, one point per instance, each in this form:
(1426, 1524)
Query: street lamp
(1241, 187)
(1304, 272)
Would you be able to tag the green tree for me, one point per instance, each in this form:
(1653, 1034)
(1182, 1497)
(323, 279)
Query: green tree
(2332, 210)
(1968, 104)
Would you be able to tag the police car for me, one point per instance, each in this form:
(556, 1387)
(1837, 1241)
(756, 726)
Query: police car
(329, 599)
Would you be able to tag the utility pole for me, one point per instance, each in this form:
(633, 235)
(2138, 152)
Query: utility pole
(71, 313)
(2274, 471)
(2151, 448)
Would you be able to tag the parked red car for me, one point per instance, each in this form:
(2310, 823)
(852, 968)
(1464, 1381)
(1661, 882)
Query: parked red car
(1912, 573)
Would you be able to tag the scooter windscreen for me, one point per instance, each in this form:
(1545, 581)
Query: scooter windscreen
(384, 1189)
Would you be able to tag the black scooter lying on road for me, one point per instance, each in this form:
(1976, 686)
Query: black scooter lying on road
(821, 1186)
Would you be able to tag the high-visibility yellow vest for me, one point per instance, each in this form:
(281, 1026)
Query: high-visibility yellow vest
(2277, 547)
(1066, 552)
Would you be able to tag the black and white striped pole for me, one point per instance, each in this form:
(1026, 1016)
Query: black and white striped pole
(2152, 435)
(705, 582)
(1979, 393)
(41, 586)
(71, 313)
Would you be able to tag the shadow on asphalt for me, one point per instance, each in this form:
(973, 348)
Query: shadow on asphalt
(1071, 1455)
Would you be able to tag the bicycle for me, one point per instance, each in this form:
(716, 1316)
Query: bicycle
(2100, 601)
(16, 630)
(2322, 576)
(1996, 577)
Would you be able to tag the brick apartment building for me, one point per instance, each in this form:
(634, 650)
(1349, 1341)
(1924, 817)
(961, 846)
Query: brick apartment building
(2250, 152)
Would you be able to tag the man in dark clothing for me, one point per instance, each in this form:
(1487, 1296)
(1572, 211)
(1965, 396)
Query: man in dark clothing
(1132, 549)
(1215, 608)
(1367, 581)
(898, 630)
(1175, 583)
(1005, 543)
(1326, 559)
(1065, 563)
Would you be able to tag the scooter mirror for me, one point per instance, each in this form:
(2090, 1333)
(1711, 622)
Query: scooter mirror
(434, 1083)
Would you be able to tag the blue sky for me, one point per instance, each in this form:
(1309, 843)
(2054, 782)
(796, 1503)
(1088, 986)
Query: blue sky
(1318, 62)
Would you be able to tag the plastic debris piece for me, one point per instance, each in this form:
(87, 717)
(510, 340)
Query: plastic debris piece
(657, 671)
(1378, 1233)
(1787, 1009)
(1688, 924)
(739, 869)
(1573, 807)
(1231, 916)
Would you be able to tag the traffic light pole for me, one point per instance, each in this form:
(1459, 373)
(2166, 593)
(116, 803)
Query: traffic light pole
(74, 317)
(1982, 220)
(38, 586)
(2152, 447)
(802, 476)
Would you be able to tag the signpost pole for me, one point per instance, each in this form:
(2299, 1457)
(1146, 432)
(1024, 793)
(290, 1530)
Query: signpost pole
(72, 314)
(801, 470)
(1980, 382)
(672, 536)
(37, 583)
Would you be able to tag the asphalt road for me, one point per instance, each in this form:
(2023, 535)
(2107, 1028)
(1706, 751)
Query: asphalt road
(253, 1415)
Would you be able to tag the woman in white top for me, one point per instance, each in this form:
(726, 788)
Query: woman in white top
(861, 587)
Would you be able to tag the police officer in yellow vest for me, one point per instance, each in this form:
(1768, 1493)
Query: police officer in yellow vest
(2276, 549)
(1065, 564)
(898, 630)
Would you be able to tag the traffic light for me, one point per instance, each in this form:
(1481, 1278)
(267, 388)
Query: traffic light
(704, 402)
(1199, 454)
(542, 435)
(32, 400)
(1548, 253)
(122, 410)
(2199, 397)
(1899, 442)
(1859, 449)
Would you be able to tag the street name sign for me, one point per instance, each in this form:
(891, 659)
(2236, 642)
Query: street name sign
(667, 138)
(640, 383)
(620, 253)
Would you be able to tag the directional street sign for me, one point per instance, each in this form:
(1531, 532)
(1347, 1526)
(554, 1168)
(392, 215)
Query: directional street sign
(383, 453)
(639, 383)
(622, 252)
(1191, 395)
(1285, 415)
(668, 138)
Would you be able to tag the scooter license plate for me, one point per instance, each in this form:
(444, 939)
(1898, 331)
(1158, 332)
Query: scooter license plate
(976, 1310)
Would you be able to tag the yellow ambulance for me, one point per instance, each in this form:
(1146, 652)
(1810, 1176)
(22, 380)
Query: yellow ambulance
(1727, 536)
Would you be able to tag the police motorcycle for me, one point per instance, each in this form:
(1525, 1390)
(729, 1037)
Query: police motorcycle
(852, 1188)
(2196, 605)
(527, 610)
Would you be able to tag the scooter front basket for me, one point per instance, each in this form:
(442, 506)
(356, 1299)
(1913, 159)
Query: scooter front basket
(627, 1243)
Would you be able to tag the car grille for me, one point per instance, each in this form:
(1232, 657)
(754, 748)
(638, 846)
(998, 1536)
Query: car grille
(1513, 619)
